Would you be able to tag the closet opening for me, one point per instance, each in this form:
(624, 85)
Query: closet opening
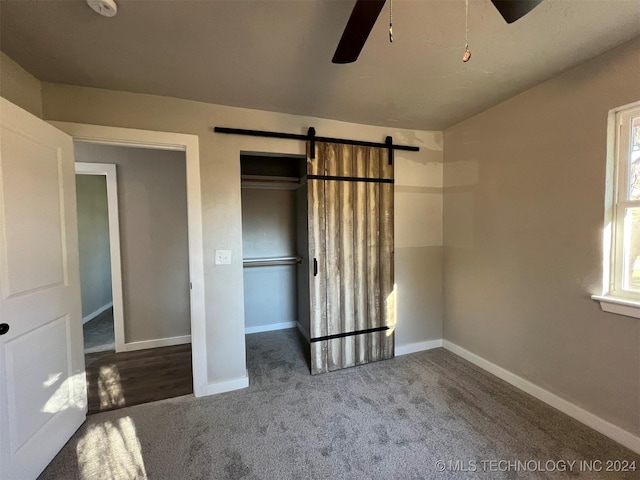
(275, 260)
(318, 255)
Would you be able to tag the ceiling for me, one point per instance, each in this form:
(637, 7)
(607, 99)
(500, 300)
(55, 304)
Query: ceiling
(276, 55)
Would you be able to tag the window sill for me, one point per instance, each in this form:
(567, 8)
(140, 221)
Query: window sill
(621, 306)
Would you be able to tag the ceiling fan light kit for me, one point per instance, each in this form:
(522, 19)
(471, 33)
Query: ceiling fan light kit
(365, 13)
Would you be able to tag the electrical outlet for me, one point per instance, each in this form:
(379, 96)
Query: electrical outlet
(223, 257)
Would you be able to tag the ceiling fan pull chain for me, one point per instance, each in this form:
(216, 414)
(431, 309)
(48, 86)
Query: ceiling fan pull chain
(467, 52)
(391, 21)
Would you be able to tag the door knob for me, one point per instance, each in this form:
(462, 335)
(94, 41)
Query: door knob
(4, 328)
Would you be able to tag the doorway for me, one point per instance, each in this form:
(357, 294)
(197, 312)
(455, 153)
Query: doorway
(95, 262)
(134, 263)
(190, 146)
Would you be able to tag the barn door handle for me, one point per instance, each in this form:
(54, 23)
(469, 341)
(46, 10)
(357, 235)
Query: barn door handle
(315, 267)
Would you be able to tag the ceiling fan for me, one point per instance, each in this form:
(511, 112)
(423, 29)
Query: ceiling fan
(365, 13)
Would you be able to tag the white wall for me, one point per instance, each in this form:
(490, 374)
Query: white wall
(523, 217)
(152, 203)
(418, 202)
(93, 243)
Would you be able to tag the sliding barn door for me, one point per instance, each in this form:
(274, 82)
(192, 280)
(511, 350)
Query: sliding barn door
(350, 200)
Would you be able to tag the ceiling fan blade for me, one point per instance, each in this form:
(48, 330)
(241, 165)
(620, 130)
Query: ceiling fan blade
(363, 17)
(512, 10)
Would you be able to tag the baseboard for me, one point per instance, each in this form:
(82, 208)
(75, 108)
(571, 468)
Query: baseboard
(269, 328)
(227, 385)
(158, 342)
(304, 333)
(109, 347)
(417, 347)
(93, 315)
(608, 429)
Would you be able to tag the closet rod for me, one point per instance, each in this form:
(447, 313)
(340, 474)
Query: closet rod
(271, 262)
(269, 183)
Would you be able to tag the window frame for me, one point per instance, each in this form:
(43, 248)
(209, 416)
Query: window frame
(615, 298)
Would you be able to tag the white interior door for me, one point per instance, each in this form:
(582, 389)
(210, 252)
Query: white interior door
(43, 397)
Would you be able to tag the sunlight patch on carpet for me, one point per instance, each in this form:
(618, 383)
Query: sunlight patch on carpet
(111, 451)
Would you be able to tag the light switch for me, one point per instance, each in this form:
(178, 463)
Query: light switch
(223, 257)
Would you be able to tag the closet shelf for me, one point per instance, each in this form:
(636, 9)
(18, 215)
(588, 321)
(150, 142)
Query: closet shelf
(271, 262)
(269, 183)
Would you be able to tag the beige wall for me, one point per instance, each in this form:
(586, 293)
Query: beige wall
(419, 181)
(268, 223)
(523, 220)
(19, 86)
(93, 242)
(152, 203)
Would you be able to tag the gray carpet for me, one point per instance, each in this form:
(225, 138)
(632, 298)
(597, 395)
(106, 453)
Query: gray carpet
(98, 333)
(388, 420)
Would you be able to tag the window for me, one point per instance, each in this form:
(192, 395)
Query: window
(622, 225)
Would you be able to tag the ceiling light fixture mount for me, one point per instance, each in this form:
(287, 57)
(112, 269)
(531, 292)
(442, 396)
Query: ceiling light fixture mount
(106, 8)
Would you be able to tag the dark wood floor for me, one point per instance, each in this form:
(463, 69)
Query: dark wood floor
(116, 380)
